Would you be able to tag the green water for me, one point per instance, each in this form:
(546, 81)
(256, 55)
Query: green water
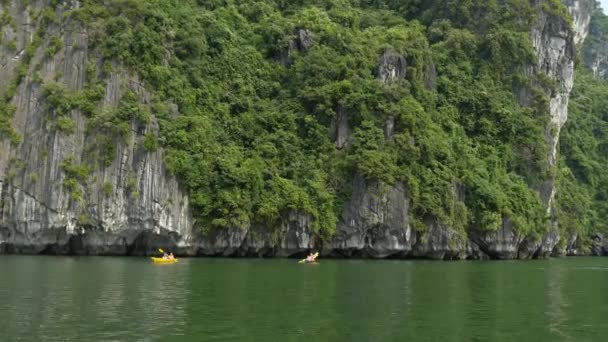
(130, 299)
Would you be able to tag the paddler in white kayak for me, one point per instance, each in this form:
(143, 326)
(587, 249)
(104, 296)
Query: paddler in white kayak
(311, 258)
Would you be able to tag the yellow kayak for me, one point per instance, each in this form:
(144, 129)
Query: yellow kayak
(163, 261)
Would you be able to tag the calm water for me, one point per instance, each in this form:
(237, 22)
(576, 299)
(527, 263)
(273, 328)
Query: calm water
(129, 299)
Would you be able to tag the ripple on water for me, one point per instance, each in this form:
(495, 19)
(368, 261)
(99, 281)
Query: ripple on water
(129, 299)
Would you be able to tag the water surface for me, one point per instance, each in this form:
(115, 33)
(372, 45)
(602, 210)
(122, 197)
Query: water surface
(130, 299)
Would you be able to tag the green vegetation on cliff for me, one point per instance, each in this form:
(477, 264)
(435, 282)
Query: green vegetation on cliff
(583, 180)
(247, 93)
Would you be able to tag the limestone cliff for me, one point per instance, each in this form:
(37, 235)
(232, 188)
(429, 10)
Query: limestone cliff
(595, 49)
(130, 204)
(122, 202)
(554, 41)
(365, 231)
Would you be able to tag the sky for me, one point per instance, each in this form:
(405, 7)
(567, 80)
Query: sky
(604, 5)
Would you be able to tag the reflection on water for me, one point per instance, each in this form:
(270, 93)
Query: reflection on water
(130, 299)
(557, 309)
(109, 298)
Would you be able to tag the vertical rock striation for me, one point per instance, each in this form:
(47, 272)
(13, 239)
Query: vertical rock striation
(554, 41)
(375, 222)
(595, 49)
(122, 202)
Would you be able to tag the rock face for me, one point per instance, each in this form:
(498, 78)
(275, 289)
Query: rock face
(554, 43)
(596, 56)
(302, 41)
(294, 236)
(391, 67)
(375, 222)
(595, 49)
(339, 130)
(389, 128)
(132, 205)
(580, 10)
(507, 243)
(599, 245)
(441, 242)
(121, 202)
(430, 75)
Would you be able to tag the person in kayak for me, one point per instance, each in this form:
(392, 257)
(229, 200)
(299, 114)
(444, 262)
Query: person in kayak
(171, 257)
(311, 258)
(165, 255)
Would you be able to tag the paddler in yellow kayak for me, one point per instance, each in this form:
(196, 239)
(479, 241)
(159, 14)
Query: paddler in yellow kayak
(168, 256)
(165, 259)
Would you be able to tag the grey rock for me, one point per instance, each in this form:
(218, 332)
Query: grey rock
(441, 242)
(595, 51)
(599, 245)
(571, 247)
(293, 236)
(298, 235)
(339, 130)
(596, 59)
(224, 242)
(375, 222)
(392, 66)
(389, 128)
(430, 75)
(303, 40)
(39, 216)
(554, 43)
(501, 244)
(580, 11)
